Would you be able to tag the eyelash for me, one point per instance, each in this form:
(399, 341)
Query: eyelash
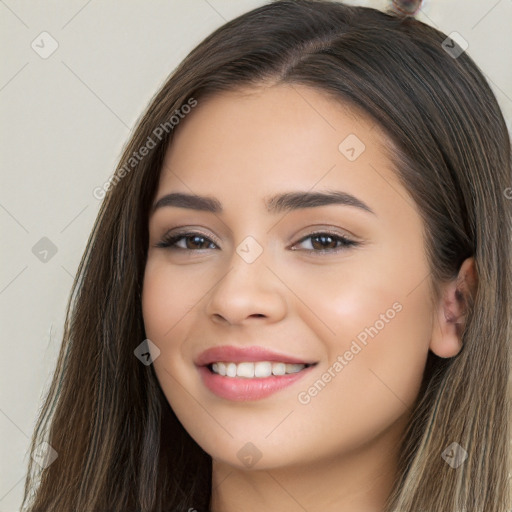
(169, 241)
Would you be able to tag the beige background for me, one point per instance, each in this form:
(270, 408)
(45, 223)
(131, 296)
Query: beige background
(65, 119)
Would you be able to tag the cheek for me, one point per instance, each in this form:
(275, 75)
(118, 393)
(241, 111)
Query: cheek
(375, 322)
(168, 296)
(378, 354)
(167, 303)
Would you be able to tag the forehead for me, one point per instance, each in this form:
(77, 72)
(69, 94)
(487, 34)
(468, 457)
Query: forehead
(277, 138)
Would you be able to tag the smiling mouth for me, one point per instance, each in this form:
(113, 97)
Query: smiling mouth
(256, 370)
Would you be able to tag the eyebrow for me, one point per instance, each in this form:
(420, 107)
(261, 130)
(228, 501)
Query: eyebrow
(275, 204)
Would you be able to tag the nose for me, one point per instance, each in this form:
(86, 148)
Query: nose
(248, 291)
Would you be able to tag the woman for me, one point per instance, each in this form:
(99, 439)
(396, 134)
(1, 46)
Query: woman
(297, 291)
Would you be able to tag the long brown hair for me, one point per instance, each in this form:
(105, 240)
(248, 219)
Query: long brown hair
(120, 447)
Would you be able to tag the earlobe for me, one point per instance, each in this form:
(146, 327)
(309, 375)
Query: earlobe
(450, 313)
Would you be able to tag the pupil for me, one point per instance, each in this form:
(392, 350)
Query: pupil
(197, 239)
(323, 240)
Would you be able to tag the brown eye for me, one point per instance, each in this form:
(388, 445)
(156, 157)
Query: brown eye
(193, 241)
(327, 242)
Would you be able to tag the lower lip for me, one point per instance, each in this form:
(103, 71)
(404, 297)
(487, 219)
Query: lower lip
(239, 389)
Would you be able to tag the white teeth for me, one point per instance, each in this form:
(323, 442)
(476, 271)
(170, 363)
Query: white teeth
(245, 370)
(231, 370)
(219, 368)
(278, 368)
(294, 368)
(259, 369)
(263, 369)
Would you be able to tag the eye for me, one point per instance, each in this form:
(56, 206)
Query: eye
(322, 242)
(191, 241)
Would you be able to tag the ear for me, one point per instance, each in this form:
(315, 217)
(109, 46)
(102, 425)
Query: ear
(450, 313)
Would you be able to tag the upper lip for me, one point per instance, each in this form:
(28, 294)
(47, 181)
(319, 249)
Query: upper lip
(230, 353)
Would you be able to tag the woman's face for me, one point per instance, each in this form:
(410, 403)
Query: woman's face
(281, 276)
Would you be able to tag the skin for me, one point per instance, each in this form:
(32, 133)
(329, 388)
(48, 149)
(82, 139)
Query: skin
(337, 452)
